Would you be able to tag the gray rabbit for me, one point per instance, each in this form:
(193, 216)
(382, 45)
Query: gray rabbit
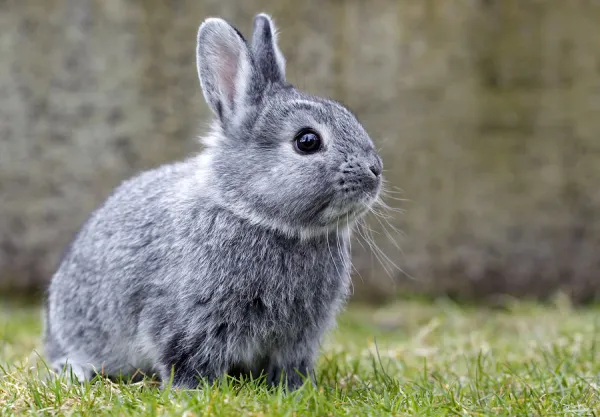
(234, 261)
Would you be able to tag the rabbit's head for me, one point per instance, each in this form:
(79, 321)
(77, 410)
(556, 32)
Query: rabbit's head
(280, 157)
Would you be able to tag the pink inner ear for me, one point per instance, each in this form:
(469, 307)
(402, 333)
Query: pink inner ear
(228, 71)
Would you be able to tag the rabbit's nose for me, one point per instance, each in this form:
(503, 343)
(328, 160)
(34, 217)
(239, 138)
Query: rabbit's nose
(375, 170)
(376, 166)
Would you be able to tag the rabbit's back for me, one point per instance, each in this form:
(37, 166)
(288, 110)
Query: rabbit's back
(96, 294)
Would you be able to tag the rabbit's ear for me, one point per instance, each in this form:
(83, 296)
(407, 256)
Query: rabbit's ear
(269, 59)
(225, 67)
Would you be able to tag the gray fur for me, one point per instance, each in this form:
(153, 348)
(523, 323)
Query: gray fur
(233, 261)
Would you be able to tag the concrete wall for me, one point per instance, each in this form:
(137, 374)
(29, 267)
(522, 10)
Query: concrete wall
(486, 113)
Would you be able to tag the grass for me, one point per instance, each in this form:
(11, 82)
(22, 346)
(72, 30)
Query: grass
(408, 358)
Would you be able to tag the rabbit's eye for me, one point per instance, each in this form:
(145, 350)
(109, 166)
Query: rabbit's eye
(307, 141)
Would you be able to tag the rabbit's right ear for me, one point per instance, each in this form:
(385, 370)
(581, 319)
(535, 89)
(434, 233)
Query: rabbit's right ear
(225, 68)
(268, 56)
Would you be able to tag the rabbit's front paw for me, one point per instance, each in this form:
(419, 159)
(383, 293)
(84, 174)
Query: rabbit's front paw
(187, 375)
(292, 375)
(74, 371)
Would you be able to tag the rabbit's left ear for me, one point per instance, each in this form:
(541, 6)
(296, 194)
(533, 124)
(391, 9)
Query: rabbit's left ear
(225, 69)
(268, 58)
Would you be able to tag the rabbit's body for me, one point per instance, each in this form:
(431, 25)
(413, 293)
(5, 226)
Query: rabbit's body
(234, 261)
(135, 294)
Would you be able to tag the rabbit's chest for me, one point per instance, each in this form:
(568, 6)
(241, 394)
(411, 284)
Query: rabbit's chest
(264, 287)
(277, 288)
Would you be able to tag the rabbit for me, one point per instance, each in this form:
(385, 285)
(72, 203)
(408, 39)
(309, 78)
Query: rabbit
(234, 261)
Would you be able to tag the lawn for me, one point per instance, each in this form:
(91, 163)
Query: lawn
(406, 358)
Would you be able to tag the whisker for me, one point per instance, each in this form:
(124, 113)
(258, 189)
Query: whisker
(387, 207)
(376, 250)
(358, 239)
(360, 233)
(380, 214)
(394, 228)
(388, 234)
(384, 258)
(391, 197)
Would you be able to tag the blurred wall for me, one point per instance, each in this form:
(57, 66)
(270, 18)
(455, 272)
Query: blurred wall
(486, 113)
